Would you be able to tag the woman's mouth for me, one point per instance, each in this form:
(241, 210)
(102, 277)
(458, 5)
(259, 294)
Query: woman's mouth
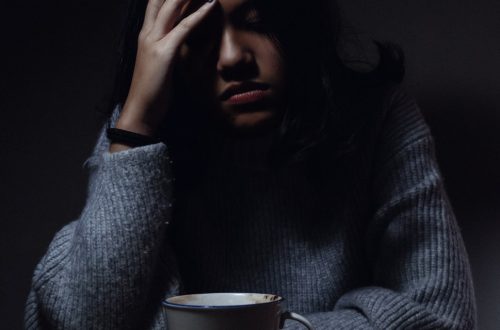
(247, 97)
(246, 92)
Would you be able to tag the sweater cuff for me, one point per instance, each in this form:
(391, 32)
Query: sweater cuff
(135, 182)
(131, 189)
(149, 155)
(136, 169)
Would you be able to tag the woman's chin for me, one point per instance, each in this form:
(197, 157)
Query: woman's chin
(252, 119)
(254, 122)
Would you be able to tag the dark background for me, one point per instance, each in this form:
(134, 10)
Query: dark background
(57, 65)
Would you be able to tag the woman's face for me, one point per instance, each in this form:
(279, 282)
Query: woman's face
(230, 65)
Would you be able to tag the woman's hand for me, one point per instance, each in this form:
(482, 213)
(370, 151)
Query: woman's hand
(159, 41)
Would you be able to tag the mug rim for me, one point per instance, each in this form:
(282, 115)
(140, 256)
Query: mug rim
(168, 304)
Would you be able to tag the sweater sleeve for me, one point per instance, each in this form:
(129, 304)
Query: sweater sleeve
(103, 270)
(419, 266)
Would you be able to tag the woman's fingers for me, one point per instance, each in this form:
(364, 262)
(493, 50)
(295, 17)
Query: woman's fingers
(180, 32)
(150, 93)
(166, 18)
(152, 10)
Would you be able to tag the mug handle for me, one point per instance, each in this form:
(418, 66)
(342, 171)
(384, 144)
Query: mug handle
(294, 316)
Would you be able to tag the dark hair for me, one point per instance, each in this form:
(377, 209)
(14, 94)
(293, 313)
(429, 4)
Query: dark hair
(322, 85)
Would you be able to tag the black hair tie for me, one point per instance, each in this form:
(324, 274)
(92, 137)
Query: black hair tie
(132, 139)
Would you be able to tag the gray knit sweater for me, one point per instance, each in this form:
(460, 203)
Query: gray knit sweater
(390, 256)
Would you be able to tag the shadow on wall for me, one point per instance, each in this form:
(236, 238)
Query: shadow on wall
(466, 129)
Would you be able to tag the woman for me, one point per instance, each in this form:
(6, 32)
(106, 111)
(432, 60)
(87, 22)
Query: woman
(243, 155)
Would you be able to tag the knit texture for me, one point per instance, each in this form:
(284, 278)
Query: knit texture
(390, 256)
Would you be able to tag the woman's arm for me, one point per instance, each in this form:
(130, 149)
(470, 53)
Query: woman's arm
(420, 271)
(108, 269)
(103, 270)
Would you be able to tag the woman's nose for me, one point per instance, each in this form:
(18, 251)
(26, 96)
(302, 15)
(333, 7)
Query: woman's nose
(233, 53)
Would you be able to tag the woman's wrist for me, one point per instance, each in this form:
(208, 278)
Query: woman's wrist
(135, 125)
(139, 118)
(122, 139)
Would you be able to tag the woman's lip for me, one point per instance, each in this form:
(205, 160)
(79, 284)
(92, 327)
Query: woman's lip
(247, 97)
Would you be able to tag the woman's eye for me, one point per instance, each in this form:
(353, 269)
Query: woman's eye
(254, 23)
(252, 19)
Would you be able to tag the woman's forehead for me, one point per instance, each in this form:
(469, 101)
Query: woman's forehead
(231, 6)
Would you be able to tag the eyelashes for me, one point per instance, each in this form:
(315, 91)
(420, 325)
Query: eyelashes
(253, 20)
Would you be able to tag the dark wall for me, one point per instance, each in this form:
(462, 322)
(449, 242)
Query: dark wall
(57, 67)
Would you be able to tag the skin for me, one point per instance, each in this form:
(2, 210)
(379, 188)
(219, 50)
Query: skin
(215, 44)
(231, 47)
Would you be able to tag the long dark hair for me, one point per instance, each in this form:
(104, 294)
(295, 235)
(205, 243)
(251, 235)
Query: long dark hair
(321, 87)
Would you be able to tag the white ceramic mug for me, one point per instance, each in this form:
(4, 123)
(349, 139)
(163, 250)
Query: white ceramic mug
(228, 311)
